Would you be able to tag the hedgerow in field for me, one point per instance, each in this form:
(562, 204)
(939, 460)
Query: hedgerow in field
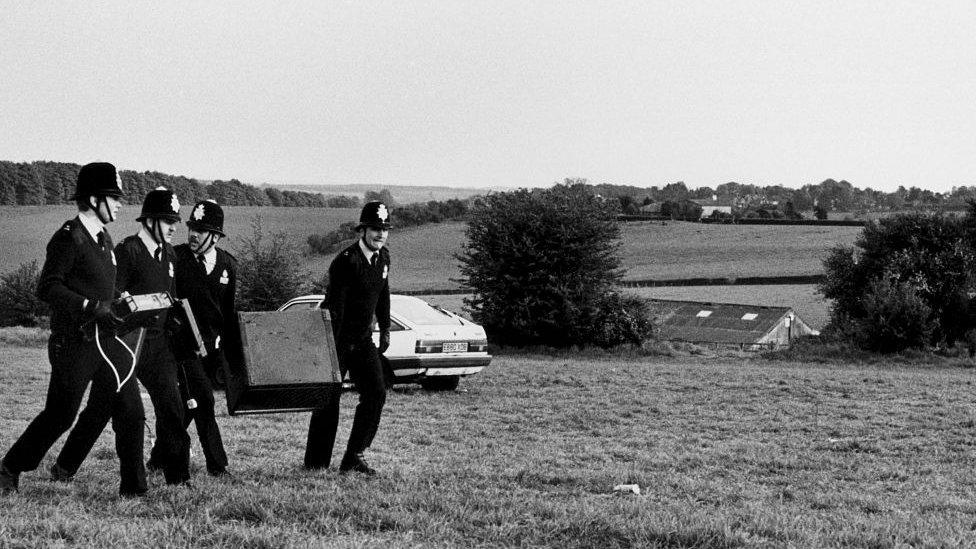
(542, 266)
(19, 304)
(903, 284)
(270, 270)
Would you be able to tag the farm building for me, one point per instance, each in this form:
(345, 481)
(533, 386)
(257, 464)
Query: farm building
(749, 327)
(713, 205)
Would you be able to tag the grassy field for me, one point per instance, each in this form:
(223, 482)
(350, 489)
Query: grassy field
(680, 249)
(424, 256)
(728, 453)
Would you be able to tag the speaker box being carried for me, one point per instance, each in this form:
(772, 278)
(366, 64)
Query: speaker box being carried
(290, 363)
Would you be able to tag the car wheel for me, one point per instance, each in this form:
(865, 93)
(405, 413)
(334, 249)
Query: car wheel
(441, 383)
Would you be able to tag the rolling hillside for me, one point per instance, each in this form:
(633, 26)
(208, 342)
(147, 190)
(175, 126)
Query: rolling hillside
(424, 256)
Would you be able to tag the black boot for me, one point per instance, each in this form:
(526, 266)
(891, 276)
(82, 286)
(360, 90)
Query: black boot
(356, 463)
(8, 480)
(60, 474)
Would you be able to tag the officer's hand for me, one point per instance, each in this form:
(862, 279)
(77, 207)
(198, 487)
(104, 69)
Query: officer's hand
(384, 341)
(105, 317)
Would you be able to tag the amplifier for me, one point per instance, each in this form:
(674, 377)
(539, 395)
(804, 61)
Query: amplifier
(290, 363)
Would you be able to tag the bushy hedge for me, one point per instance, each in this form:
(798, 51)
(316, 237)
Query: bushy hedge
(19, 304)
(270, 271)
(542, 266)
(324, 244)
(618, 319)
(903, 284)
(410, 215)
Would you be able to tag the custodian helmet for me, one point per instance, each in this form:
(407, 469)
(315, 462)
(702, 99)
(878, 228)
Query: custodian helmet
(160, 203)
(375, 215)
(207, 215)
(98, 179)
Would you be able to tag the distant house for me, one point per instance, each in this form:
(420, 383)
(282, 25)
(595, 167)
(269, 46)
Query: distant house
(748, 327)
(709, 205)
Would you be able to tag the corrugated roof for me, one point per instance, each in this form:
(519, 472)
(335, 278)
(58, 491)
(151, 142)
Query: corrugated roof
(726, 323)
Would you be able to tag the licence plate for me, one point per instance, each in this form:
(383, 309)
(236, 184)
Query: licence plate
(455, 346)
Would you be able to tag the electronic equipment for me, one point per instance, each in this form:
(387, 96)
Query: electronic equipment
(290, 363)
(184, 334)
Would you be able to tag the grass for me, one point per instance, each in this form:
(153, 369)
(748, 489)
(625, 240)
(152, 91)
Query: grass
(423, 257)
(729, 452)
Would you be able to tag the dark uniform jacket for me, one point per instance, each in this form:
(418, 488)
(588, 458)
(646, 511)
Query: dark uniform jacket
(211, 298)
(356, 292)
(140, 273)
(76, 269)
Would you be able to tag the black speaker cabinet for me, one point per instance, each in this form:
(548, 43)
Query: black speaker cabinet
(290, 363)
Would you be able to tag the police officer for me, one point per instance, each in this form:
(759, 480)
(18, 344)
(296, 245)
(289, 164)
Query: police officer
(145, 266)
(207, 276)
(358, 289)
(78, 281)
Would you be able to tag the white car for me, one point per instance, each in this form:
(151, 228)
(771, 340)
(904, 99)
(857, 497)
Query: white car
(428, 344)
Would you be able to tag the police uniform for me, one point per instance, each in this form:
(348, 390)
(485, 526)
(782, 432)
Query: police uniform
(358, 289)
(78, 277)
(142, 270)
(209, 282)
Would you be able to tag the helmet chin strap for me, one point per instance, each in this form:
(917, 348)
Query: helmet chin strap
(108, 217)
(208, 242)
(368, 244)
(155, 229)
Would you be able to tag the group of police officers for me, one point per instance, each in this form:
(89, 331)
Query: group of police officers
(84, 274)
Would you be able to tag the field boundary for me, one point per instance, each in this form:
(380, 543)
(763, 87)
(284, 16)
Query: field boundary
(624, 218)
(657, 283)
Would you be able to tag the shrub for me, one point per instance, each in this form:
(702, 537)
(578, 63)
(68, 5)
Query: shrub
(269, 271)
(618, 319)
(540, 264)
(896, 318)
(19, 304)
(331, 242)
(910, 258)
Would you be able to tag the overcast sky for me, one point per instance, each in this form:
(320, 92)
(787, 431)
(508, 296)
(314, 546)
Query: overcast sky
(498, 93)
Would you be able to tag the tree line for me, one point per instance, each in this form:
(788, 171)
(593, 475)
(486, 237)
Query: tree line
(42, 182)
(828, 195)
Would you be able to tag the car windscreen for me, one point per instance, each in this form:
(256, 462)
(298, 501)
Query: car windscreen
(420, 313)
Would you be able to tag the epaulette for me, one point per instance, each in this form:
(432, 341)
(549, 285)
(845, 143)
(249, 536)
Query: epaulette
(228, 254)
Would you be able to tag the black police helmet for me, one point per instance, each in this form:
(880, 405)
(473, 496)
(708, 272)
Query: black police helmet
(375, 215)
(98, 179)
(207, 215)
(160, 203)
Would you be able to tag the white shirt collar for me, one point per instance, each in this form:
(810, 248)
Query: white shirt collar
(366, 251)
(148, 241)
(209, 259)
(92, 224)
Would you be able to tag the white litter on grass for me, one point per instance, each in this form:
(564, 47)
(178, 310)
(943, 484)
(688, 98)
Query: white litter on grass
(627, 489)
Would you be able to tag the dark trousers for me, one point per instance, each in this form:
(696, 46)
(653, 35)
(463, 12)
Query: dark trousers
(75, 363)
(198, 386)
(362, 361)
(157, 372)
